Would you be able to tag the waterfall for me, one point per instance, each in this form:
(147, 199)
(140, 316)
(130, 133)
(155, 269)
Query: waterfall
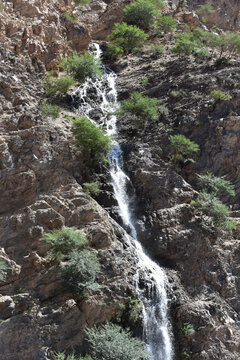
(156, 325)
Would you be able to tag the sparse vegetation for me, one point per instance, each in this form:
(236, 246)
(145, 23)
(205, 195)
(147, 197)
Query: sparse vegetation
(82, 66)
(143, 107)
(127, 36)
(144, 81)
(153, 48)
(218, 95)
(63, 241)
(91, 188)
(181, 147)
(205, 10)
(111, 342)
(135, 309)
(92, 140)
(49, 110)
(53, 85)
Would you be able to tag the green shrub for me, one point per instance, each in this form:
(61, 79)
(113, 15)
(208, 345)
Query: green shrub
(127, 36)
(70, 17)
(140, 13)
(91, 188)
(49, 110)
(79, 274)
(142, 106)
(113, 52)
(218, 186)
(63, 241)
(3, 269)
(175, 94)
(91, 138)
(218, 95)
(219, 212)
(111, 342)
(187, 329)
(63, 356)
(181, 147)
(165, 24)
(53, 85)
(82, 66)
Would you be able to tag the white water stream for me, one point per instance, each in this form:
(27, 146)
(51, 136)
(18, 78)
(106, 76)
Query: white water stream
(156, 325)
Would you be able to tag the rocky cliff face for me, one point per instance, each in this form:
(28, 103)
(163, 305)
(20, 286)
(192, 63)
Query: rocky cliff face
(41, 171)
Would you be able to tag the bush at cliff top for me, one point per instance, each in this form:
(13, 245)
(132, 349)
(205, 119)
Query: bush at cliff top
(111, 342)
(142, 106)
(92, 140)
(80, 273)
(63, 241)
(181, 147)
(127, 36)
(53, 85)
(82, 66)
(140, 13)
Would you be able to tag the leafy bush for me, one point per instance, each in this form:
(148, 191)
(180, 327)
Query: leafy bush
(142, 106)
(3, 269)
(127, 36)
(140, 13)
(82, 66)
(181, 147)
(165, 24)
(218, 95)
(49, 110)
(219, 212)
(63, 356)
(53, 85)
(70, 17)
(184, 45)
(111, 342)
(91, 188)
(63, 241)
(80, 272)
(134, 310)
(218, 186)
(113, 52)
(92, 139)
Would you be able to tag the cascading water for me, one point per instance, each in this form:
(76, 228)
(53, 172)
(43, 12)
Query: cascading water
(153, 295)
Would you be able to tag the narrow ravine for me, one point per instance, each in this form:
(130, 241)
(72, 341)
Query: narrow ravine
(156, 325)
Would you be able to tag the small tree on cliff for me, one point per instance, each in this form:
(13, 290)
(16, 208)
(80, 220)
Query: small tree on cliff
(140, 13)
